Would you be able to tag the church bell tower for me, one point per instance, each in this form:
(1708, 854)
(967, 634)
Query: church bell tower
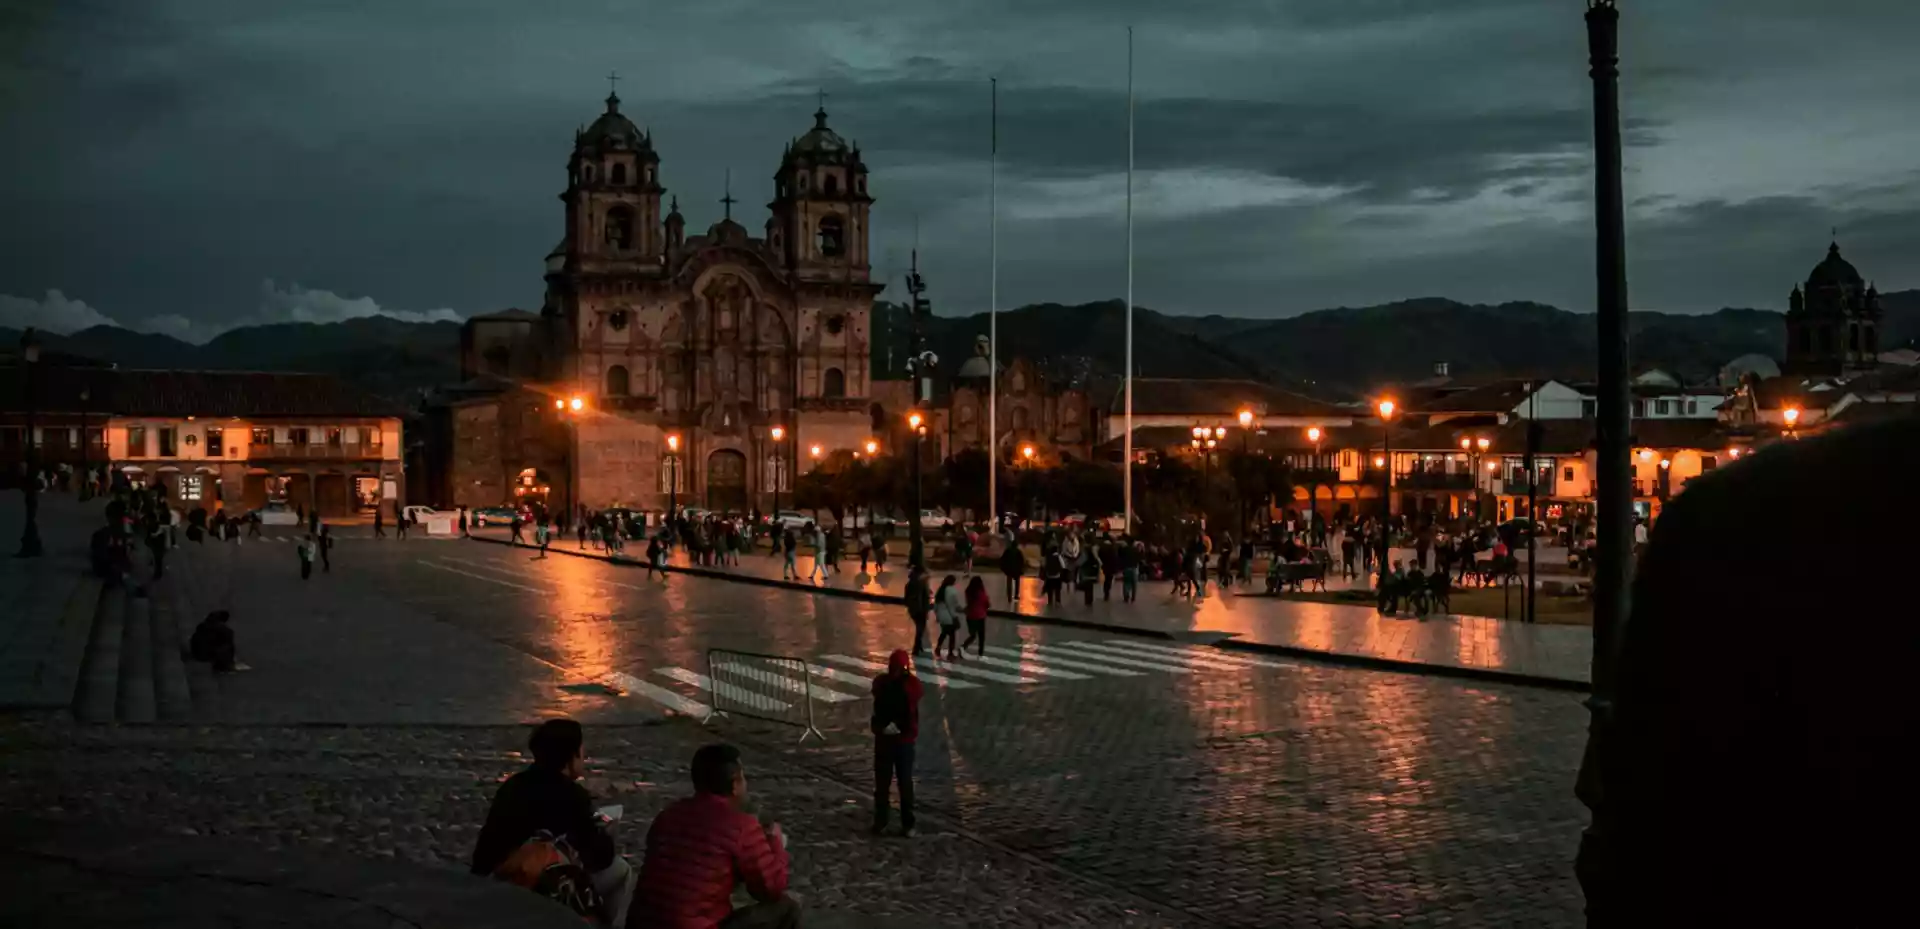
(819, 223)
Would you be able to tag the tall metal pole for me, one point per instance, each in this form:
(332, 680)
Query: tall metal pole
(1531, 456)
(1613, 505)
(922, 362)
(30, 546)
(1386, 483)
(1126, 447)
(993, 306)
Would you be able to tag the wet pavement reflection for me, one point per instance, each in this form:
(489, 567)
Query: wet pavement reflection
(1242, 789)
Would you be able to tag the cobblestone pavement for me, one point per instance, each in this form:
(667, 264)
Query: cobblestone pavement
(1559, 653)
(1095, 781)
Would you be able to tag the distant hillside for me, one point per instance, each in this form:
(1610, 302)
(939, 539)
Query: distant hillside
(1327, 352)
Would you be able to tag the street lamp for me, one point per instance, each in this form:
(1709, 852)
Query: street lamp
(573, 406)
(1313, 481)
(86, 461)
(673, 473)
(1246, 435)
(1792, 416)
(30, 546)
(779, 464)
(1386, 410)
(916, 542)
(873, 448)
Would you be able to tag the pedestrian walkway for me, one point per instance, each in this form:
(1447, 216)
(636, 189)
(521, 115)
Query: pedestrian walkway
(1468, 646)
(50, 600)
(832, 679)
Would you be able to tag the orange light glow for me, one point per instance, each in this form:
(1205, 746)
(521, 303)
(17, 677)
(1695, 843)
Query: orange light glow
(559, 404)
(1466, 444)
(815, 451)
(1484, 442)
(1379, 462)
(1313, 434)
(873, 448)
(778, 433)
(576, 404)
(673, 443)
(1664, 463)
(1491, 466)
(914, 419)
(1733, 453)
(1386, 409)
(1026, 452)
(1646, 454)
(1791, 415)
(1246, 418)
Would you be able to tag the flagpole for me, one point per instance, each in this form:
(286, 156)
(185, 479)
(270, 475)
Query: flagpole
(1126, 489)
(993, 306)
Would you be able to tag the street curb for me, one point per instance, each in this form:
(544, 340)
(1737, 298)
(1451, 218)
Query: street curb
(1230, 644)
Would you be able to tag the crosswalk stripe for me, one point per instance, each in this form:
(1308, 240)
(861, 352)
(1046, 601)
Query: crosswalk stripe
(957, 667)
(1027, 666)
(851, 661)
(739, 695)
(838, 675)
(1063, 662)
(673, 701)
(481, 577)
(1141, 662)
(1197, 661)
(819, 691)
(1209, 652)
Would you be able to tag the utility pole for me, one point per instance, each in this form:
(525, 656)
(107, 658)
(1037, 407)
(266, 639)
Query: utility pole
(921, 364)
(1613, 505)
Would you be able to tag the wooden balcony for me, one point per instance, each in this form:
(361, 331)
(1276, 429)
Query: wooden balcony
(287, 451)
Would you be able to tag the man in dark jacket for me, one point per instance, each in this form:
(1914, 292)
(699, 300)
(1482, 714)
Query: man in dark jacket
(896, 724)
(1013, 563)
(1751, 774)
(548, 798)
(919, 603)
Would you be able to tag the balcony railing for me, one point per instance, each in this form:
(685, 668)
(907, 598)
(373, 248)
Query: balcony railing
(1320, 477)
(1435, 480)
(286, 450)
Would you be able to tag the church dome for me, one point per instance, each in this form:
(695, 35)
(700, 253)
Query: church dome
(1835, 271)
(977, 367)
(614, 130)
(820, 140)
(727, 232)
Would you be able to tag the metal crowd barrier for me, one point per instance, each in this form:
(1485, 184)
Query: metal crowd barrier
(734, 691)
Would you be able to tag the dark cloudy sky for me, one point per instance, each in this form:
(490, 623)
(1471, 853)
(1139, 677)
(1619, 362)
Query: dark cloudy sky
(190, 165)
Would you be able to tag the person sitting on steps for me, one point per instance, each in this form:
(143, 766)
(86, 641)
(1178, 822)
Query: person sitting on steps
(699, 847)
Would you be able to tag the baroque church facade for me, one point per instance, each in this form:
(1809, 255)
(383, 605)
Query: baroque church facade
(685, 352)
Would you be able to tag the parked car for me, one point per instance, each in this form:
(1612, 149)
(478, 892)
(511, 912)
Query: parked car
(278, 513)
(789, 519)
(934, 519)
(492, 515)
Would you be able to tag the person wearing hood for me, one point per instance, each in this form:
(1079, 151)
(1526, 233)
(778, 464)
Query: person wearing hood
(896, 724)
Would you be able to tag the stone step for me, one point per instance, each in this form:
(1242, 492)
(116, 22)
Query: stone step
(136, 702)
(172, 693)
(188, 597)
(60, 674)
(99, 687)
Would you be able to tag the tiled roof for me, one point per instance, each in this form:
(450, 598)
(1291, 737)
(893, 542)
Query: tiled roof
(1865, 412)
(1153, 396)
(158, 393)
(1499, 397)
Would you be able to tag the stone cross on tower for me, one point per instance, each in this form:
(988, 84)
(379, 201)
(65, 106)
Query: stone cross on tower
(727, 201)
(613, 82)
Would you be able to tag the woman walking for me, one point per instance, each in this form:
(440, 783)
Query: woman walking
(976, 616)
(947, 610)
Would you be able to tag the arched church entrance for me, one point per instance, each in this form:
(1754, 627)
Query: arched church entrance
(727, 481)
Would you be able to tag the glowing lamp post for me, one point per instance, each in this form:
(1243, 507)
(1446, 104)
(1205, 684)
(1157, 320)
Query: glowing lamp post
(1314, 435)
(778, 433)
(673, 473)
(1386, 409)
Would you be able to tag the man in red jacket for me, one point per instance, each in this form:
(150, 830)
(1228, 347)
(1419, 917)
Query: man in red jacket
(896, 723)
(697, 846)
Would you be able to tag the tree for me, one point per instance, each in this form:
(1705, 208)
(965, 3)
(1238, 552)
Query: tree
(1256, 478)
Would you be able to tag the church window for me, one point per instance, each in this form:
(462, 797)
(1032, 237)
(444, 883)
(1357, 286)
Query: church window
(835, 324)
(801, 179)
(618, 320)
(860, 184)
(620, 228)
(588, 173)
(617, 383)
(832, 239)
(618, 175)
(836, 383)
(831, 186)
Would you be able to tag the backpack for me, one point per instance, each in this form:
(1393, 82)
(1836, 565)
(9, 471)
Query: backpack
(548, 866)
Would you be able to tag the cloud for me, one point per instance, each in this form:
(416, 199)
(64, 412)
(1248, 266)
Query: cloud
(297, 304)
(56, 312)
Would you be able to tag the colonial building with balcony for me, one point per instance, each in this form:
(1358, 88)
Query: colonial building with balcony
(215, 439)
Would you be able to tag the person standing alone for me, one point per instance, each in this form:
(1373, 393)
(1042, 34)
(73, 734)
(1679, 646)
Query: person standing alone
(305, 550)
(896, 724)
(919, 602)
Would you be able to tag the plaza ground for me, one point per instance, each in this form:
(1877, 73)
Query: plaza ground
(1082, 777)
